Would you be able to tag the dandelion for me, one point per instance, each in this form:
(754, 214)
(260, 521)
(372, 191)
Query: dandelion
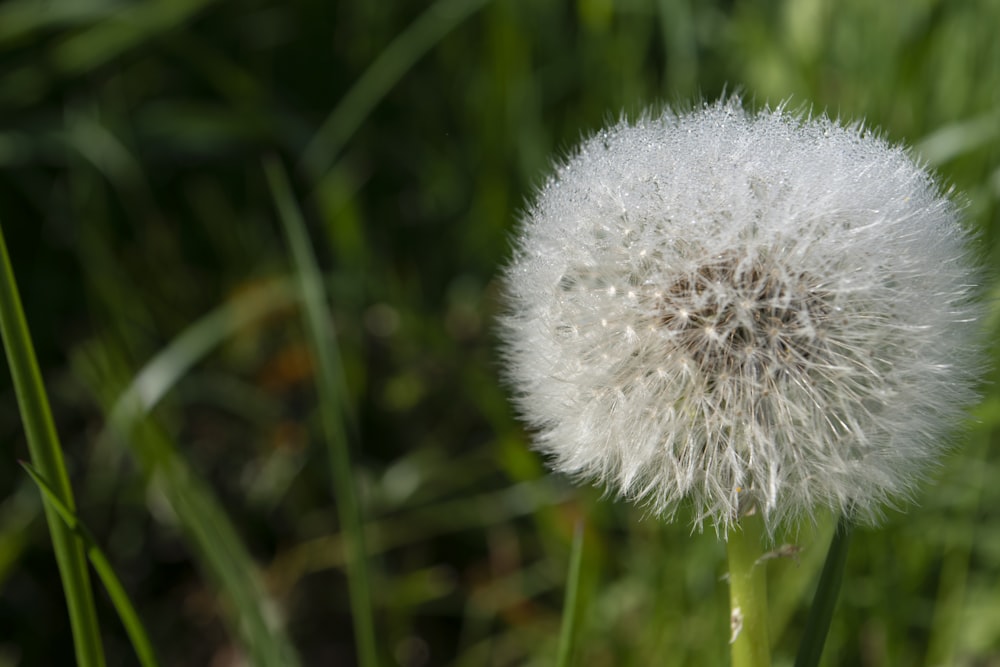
(745, 313)
(757, 315)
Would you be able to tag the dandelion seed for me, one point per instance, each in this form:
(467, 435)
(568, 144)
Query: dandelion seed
(770, 313)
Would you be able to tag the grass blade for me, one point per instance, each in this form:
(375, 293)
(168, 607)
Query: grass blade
(818, 623)
(221, 553)
(569, 619)
(218, 549)
(126, 612)
(332, 396)
(46, 453)
(379, 78)
(161, 373)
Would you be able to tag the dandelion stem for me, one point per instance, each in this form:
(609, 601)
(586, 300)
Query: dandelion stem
(750, 643)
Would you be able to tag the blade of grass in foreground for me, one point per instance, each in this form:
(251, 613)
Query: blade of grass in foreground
(569, 618)
(126, 612)
(46, 453)
(821, 613)
(332, 395)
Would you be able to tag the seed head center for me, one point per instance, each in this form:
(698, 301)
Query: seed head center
(735, 317)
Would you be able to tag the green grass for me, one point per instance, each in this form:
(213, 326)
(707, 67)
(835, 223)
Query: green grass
(334, 408)
(46, 452)
(570, 612)
(112, 584)
(162, 278)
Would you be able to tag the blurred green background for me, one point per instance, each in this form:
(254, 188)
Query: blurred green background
(134, 204)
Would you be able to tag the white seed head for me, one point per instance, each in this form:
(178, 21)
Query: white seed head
(743, 312)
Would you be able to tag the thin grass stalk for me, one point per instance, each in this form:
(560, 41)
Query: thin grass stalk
(821, 613)
(333, 398)
(570, 614)
(750, 643)
(220, 550)
(162, 372)
(112, 584)
(216, 546)
(46, 454)
(394, 60)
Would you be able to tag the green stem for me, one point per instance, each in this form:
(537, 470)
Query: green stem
(46, 454)
(750, 642)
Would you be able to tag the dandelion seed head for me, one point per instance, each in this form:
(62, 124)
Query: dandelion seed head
(742, 311)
